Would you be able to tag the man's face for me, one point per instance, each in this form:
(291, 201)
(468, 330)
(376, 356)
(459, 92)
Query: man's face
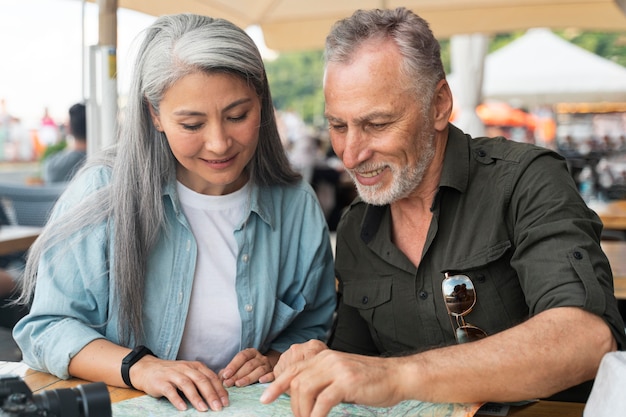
(377, 124)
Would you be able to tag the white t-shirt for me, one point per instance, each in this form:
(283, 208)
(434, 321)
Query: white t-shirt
(212, 332)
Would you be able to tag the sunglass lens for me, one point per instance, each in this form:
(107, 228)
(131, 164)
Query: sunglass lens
(458, 293)
(466, 334)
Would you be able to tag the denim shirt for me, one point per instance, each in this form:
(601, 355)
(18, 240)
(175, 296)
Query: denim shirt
(285, 281)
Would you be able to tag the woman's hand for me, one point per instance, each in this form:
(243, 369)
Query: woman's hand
(248, 366)
(177, 380)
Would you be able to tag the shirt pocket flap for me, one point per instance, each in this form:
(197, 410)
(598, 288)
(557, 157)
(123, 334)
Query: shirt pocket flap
(366, 294)
(478, 259)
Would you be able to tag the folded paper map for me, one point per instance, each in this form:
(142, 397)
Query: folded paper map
(244, 402)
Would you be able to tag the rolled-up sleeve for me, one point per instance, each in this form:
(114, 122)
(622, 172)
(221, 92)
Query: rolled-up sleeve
(70, 305)
(558, 255)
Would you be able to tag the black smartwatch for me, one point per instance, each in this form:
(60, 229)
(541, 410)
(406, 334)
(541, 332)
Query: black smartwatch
(131, 359)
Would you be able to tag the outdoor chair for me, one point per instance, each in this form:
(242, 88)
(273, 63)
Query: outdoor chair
(29, 205)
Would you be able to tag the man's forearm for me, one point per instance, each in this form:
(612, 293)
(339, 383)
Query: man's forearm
(550, 352)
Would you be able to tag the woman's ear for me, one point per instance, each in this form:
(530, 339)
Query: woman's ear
(442, 103)
(155, 118)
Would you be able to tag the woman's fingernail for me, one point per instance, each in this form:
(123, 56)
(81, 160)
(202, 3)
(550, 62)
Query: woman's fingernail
(202, 406)
(217, 406)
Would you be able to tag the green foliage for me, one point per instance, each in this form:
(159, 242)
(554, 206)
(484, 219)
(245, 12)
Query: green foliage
(296, 82)
(611, 45)
(52, 149)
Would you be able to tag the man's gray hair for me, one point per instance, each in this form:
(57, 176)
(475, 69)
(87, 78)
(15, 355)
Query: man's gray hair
(416, 42)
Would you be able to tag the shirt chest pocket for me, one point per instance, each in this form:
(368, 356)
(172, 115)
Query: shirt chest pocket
(371, 297)
(500, 301)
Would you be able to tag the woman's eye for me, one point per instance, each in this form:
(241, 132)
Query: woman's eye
(238, 118)
(192, 128)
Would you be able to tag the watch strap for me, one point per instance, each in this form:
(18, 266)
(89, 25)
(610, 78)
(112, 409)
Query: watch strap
(131, 359)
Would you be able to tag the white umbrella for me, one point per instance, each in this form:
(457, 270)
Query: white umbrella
(300, 24)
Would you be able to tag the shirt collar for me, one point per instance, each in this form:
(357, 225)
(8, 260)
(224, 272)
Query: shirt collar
(455, 171)
(261, 203)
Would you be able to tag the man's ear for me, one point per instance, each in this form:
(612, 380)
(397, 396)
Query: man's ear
(442, 102)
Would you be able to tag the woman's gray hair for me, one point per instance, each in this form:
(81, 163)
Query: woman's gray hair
(142, 162)
(417, 44)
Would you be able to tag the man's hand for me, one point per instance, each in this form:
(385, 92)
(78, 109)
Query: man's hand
(317, 384)
(298, 353)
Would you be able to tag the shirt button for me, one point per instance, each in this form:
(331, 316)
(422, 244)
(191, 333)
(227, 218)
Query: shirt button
(482, 153)
(245, 258)
(365, 299)
(249, 308)
(480, 278)
(423, 295)
(180, 298)
(188, 245)
(167, 349)
(578, 255)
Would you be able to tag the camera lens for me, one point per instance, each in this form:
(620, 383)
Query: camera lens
(88, 400)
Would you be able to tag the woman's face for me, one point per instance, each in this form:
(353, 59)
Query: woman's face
(211, 122)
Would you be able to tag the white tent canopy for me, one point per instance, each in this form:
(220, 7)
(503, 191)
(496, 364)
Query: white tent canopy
(540, 68)
(298, 24)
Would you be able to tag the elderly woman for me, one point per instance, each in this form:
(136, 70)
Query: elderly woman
(190, 255)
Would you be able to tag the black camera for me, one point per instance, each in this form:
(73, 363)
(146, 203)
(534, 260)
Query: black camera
(88, 400)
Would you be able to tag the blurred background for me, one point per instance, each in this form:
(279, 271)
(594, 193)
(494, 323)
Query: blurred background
(561, 85)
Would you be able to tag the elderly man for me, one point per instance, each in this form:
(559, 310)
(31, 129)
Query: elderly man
(448, 231)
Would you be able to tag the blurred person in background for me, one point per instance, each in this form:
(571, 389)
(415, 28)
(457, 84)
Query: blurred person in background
(62, 165)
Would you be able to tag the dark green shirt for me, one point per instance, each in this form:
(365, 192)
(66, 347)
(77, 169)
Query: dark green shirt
(509, 216)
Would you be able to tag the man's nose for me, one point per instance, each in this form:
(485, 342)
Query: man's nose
(354, 149)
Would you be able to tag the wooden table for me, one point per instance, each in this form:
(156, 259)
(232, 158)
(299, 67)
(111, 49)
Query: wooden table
(17, 238)
(612, 214)
(37, 381)
(616, 252)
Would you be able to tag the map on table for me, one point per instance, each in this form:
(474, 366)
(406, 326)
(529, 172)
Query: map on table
(244, 402)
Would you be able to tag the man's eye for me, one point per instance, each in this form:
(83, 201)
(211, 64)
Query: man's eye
(377, 126)
(337, 128)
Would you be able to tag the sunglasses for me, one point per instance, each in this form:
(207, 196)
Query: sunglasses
(460, 297)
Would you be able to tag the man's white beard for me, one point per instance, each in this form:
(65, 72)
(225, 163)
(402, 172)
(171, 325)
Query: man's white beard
(404, 179)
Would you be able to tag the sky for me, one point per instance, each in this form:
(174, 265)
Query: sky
(41, 54)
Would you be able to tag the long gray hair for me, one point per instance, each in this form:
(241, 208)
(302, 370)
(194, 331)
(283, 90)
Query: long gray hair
(418, 46)
(142, 162)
